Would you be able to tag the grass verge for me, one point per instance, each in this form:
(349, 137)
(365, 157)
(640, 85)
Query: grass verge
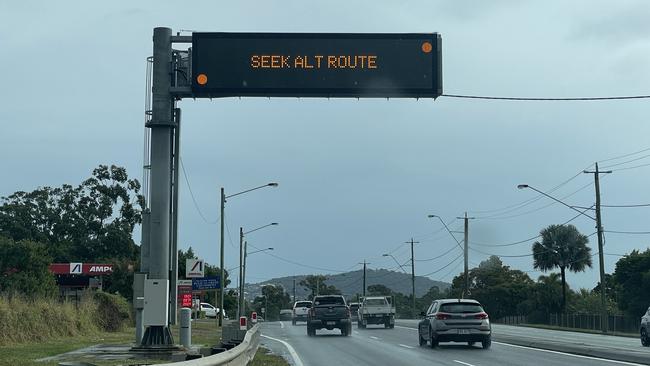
(204, 332)
(264, 357)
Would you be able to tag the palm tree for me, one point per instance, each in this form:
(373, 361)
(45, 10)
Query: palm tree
(562, 247)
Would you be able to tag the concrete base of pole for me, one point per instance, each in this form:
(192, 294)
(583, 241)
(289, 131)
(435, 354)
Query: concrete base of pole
(139, 326)
(157, 336)
(186, 327)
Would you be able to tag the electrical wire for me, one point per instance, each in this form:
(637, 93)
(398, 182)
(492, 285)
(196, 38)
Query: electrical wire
(631, 167)
(443, 267)
(626, 206)
(498, 217)
(628, 232)
(439, 256)
(189, 188)
(625, 155)
(546, 99)
(625, 162)
(529, 239)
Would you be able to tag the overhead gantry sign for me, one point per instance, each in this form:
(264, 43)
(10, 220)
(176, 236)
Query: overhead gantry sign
(316, 65)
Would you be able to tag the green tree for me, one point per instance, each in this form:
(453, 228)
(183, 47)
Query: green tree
(632, 274)
(562, 247)
(24, 268)
(379, 290)
(316, 284)
(90, 222)
(500, 289)
(273, 299)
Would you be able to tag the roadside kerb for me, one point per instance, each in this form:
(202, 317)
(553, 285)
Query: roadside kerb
(240, 355)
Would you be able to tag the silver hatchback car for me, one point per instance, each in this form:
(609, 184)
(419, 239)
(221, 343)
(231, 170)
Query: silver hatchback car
(455, 320)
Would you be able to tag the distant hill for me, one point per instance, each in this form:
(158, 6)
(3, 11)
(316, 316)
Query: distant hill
(351, 283)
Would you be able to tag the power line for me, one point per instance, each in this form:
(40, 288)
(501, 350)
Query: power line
(546, 99)
(626, 162)
(439, 256)
(625, 206)
(631, 167)
(189, 188)
(529, 239)
(625, 155)
(498, 217)
(445, 266)
(628, 232)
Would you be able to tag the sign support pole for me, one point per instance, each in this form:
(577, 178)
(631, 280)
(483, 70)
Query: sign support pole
(161, 125)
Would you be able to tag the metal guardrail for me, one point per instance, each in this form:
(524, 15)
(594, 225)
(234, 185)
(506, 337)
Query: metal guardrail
(240, 355)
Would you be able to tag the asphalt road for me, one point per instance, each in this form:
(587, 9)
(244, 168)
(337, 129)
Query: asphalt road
(399, 346)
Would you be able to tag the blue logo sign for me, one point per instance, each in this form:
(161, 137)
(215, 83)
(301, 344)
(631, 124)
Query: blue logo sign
(206, 283)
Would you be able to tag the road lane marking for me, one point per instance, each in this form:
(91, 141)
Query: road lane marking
(373, 337)
(405, 346)
(554, 352)
(296, 359)
(570, 354)
(281, 325)
(463, 363)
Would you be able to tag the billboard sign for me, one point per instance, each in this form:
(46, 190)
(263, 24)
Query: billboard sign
(194, 268)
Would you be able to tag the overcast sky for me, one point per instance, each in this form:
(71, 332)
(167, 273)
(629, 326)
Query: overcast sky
(357, 178)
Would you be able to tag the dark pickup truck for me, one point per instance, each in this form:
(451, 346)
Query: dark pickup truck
(329, 312)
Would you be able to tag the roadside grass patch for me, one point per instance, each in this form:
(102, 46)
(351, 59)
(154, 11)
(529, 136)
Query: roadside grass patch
(264, 357)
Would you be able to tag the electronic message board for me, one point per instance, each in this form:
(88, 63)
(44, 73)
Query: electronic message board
(317, 65)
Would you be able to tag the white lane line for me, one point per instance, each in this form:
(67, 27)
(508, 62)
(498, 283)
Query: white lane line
(555, 352)
(296, 359)
(282, 323)
(405, 346)
(570, 354)
(463, 363)
(373, 337)
(355, 332)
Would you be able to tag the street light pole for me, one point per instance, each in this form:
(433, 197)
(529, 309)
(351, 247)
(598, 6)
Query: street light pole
(398, 263)
(221, 260)
(243, 274)
(603, 304)
(242, 266)
(222, 293)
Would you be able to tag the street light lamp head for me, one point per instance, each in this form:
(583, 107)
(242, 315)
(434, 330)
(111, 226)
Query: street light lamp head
(274, 223)
(269, 248)
(272, 184)
(385, 255)
(432, 216)
(522, 186)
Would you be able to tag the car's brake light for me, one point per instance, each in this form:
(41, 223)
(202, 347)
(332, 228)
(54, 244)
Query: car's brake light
(481, 316)
(442, 316)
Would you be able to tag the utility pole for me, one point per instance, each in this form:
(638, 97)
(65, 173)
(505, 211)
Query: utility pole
(466, 253)
(413, 274)
(294, 290)
(364, 277)
(222, 280)
(599, 229)
(240, 309)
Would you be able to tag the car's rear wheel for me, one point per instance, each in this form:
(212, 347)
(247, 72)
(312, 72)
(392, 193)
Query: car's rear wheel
(645, 339)
(471, 343)
(433, 341)
(487, 342)
(349, 330)
(293, 322)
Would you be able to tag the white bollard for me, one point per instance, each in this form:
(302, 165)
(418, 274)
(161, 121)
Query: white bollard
(186, 327)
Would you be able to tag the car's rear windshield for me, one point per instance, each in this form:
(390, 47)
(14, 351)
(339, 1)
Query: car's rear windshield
(461, 307)
(329, 300)
(376, 302)
(303, 304)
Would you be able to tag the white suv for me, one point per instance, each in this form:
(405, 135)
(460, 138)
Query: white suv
(300, 311)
